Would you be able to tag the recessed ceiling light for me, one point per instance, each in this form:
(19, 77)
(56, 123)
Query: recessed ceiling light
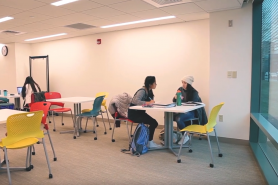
(63, 2)
(141, 21)
(45, 37)
(6, 19)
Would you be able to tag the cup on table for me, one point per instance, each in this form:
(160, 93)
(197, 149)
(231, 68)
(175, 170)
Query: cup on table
(5, 93)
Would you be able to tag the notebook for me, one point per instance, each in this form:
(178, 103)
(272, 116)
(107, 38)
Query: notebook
(19, 89)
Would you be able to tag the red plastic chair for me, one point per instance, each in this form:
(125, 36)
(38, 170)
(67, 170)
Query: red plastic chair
(62, 109)
(126, 120)
(44, 106)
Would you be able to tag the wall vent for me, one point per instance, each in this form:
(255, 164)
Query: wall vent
(11, 32)
(163, 3)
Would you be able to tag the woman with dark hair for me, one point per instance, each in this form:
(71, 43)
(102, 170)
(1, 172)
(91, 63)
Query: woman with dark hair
(188, 93)
(144, 96)
(29, 87)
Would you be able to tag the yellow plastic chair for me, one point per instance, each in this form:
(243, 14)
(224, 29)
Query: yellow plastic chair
(23, 131)
(105, 94)
(204, 129)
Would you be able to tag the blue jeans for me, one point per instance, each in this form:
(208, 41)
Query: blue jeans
(183, 117)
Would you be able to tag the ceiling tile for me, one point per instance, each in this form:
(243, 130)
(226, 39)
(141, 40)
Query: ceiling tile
(103, 12)
(193, 16)
(132, 6)
(108, 2)
(59, 21)
(182, 9)
(7, 11)
(216, 5)
(18, 22)
(52, 11)
(151, 14)
(33, 27)
(78, 17)
(33, 17)
(83, 5)
(5, 26)
(123, 18)
(22, 4)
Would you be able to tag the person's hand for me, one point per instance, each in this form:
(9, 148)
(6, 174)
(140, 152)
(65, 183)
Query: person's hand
(150, 102)
(175, 96)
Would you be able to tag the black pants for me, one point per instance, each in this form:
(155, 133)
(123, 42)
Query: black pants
(143, 117)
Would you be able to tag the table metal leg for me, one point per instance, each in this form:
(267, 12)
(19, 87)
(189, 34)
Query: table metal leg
(75, 112)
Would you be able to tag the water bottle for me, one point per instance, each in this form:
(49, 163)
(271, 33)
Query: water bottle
(178, 98)
(5, 93)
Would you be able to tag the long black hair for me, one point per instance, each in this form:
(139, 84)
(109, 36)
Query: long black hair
(29, 80)
(149, 81)
(190, 91)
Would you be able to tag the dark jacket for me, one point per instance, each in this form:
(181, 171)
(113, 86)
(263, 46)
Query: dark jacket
(194, 96)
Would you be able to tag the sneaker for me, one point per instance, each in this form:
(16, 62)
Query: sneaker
(152, 144)
(186, 138)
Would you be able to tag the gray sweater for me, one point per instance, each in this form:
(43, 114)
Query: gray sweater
(140, 97)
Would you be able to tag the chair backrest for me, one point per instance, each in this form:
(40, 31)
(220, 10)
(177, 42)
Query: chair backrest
(105, 94)
(97, 105)
(213, 115)
(44, 106)
(52, 95)
(23, 126)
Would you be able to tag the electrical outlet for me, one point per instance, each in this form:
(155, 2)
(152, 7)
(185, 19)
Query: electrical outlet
(230, 74)
(230, 23)
(220, 118)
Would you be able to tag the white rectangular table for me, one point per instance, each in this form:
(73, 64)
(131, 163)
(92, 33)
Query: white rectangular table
(16, 100)
(77, 108)
(168, 122)
(5, 113)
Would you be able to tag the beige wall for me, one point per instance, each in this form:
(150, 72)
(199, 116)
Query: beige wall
(8, 70)
(231, 50)
(80, 67)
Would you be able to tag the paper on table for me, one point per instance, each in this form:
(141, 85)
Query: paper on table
(166, 105)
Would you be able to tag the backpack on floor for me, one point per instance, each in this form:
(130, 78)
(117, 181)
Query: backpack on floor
(139, 140)
(177, 136)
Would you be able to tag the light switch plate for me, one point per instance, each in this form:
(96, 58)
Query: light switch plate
(220, 118)
(230, 74)
(234, 75)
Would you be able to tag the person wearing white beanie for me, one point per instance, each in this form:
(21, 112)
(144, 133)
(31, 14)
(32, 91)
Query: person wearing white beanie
(188, 93)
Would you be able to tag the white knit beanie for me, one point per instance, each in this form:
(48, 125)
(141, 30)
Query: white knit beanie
(188, 79)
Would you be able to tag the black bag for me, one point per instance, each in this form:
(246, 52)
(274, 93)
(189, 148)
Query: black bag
(39, 96)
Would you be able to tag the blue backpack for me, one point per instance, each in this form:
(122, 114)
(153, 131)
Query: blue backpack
(139, 140)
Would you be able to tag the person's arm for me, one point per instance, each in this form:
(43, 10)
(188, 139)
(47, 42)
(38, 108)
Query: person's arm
(195, 97)
(137, 99)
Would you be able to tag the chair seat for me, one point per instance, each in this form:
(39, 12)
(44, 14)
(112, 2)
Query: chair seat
(125, 119)
(86, 110)
(60, 110)
(197, 129)
(21, 144)
(88, 114)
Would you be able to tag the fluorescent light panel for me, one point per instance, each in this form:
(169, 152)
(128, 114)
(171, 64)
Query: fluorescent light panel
(141, 21)
(63, 2)
(45, 37)
(6, 19)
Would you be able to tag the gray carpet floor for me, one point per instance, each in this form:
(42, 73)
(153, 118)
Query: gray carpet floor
(88, 161)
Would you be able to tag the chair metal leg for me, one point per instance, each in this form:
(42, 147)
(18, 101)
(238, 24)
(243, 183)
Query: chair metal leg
(27, 160)
(72, 118)
(104, 124)
(113, 140)
(8, 166)
(128, 134)
(131, 130)
(178, 159)
(30, 158)
(108, 119)
(94, 122)
(219, 152)
(55, 158)
(46, 156)
(212, 163)
(62, 119)
(48, 118)
(53, 121)
(33, 152)
(86, 125)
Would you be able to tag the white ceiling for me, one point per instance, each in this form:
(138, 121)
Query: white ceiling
(38, 18)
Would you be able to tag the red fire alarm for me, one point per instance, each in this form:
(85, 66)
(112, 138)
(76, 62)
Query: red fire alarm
(98, 41)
